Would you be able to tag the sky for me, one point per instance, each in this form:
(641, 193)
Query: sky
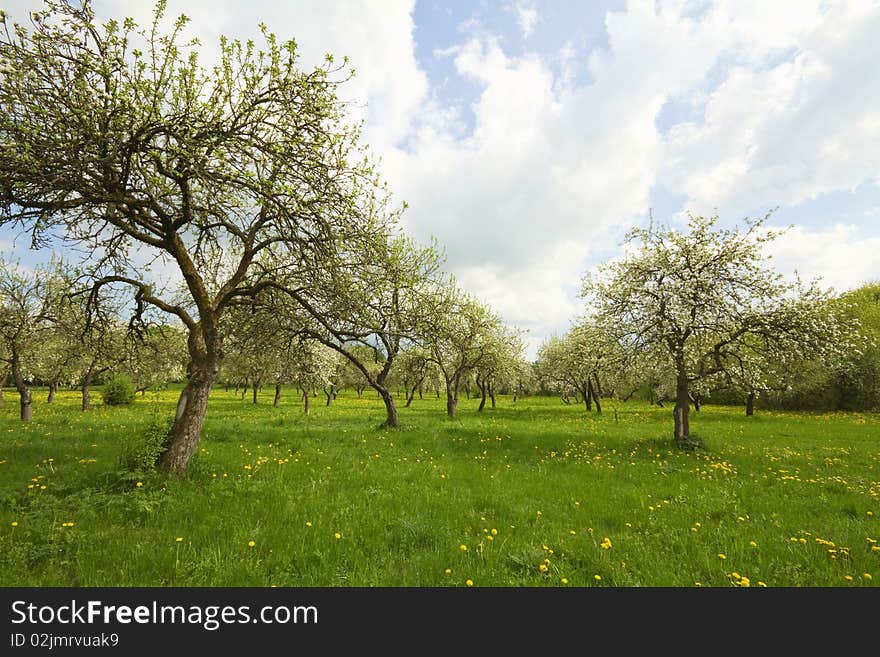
(528, 137)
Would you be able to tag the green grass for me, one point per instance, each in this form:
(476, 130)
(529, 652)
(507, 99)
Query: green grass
(771, 493)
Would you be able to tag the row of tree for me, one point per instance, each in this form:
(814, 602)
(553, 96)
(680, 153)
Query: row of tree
(688, 313)
(248, 181)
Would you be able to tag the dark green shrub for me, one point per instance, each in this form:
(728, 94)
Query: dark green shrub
(118, 391)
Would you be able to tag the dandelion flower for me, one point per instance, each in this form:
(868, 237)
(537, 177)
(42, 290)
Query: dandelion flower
(868, 576)
(179, 539)
(605, 544)
(490, 537)
(494, 532)
(140, 484)
(722, 556)
(564, 580)
(762, 584)
(15, 523)
(543, 568)
(448, 571)
(572, 532)
(251, 543)
(469, 582)
(462, 547)
(753, 543)
(337, 535)
(598, 578)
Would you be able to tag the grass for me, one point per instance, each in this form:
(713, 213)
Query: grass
(524, 495)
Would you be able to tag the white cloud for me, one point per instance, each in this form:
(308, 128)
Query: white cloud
(527, 18)
(784, 131)
(842, 256)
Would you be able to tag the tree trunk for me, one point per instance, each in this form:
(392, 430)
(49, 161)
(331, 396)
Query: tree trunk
(750, 404)
(87, 388)
(24, 393)
(697, 402)
(420, 392)
(359, 391)
(451, 400)
(682, 411)
(437, 390)
(254, 388)
(482, 386)
(53, 386)
(277, 399)
(3, 385)
(491, 394)
(244, 389)
(305, 401)
(330, 395)
(390, 408)
(191, 408)
(594, 390)
(587, 392)
(411, 395)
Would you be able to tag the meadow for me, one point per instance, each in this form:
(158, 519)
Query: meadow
(533, 493)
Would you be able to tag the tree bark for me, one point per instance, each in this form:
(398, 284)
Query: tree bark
(26, 403)
(87, 388)
(305, 401)
(491, 394)
(594, 391)
(53, 386)
(244, 389)
(482, 386)
(750, 404)
(189, 418)
(277, 399)
(3, 385)
(681, 411)
(331, 395)
(697, 402)
(451, 399)
(254, 387)
(587, 393)
(390, 408)
(205, 346)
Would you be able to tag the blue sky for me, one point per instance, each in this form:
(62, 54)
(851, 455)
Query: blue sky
(527, 137)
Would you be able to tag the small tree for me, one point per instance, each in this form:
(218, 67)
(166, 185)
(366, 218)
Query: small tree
(706, 301)
(23, 300)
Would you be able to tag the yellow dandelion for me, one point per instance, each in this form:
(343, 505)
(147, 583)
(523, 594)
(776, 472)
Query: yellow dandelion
(251, 543)
(140, 484)
(598, 578)
(179, 539)
(722, 556)
(753, 543)
(762, 584)
(448, 571)
(572, 532)
(564, 580)
(337, 535)
(605, 544)
(698, 584)
(15, 523)
(462, 547)
(469, 582)
(543, 568)
(868, 576)
(494, 532)
(848, 578)
(490, 537)
(308, 523)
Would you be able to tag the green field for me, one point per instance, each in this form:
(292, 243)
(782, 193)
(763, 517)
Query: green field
(534, 493)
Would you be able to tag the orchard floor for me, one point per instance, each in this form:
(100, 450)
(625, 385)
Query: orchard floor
(534, 493)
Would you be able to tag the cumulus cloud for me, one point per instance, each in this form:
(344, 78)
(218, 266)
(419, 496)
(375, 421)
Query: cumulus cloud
(842, 256)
